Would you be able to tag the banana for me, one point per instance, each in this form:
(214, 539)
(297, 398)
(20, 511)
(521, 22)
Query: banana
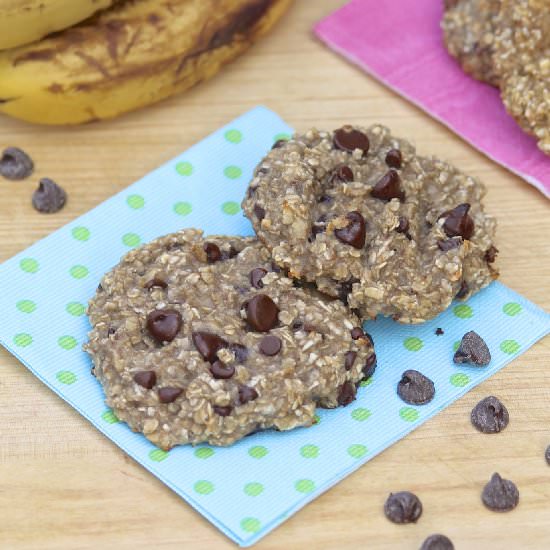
(24, 21)
(132, 55)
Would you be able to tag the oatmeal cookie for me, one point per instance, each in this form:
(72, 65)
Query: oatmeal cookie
(522, 58)
(469, 28)
(360, 214)
(203, 340)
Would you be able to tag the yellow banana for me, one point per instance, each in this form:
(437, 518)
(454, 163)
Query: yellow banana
(134, 54)
(24, 21)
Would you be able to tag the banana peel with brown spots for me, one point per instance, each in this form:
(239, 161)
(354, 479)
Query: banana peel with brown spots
(130, 56)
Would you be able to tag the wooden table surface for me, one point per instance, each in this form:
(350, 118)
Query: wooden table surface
(64, 486)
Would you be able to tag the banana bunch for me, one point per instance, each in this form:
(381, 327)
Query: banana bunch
(133, 54)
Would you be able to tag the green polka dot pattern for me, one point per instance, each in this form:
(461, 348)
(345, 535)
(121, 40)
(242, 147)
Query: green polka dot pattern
(250, 525)
(184, 168)
(67, 342)
(253, 489)
(26, 306)
(158, 455)
(511, 309)
(304, 486)
(81, 233)
(230, 208)
(409, 414)
(66, 377)
(309, 451)
(367, 382)
(110, 417)
(463, 311)
(76, 309)
(456, 345)
(257, 451)
(78, 271)
(357, 450)
(131, 240)
(233, 136)
(281, 136)
(29, 265)
(460, 380)
(232, 172)
(183, 208)
(203, 487)
(135, 202)
(413, 344)
(360, 414)
(204, 452)
(22, 340)
(509, 346)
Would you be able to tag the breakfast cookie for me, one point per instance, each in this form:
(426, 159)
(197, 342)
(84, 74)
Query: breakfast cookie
(469, 28)
(204, 340)
(522, 58)
(360, 214)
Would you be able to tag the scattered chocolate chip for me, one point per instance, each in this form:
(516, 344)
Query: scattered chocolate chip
(342, 174)
(346, 288)
(221, 371)
(100, 287)
(437, 542)
(463, 290)
(325, 199)
(259, 212)
(370, 366)
(251, 191)
(490, 416)
(491, 254)
(458, 222)
(403, 507)
(164, 324)
(240, 351)
(275, 268)
(168, 394)
(262, 313)
(279, 143)
(213, 253)
(473, 350)
(448, 244)
(222, 411)
(319, 226)
(349, 139)
(356, 333)
(297, 325)
(208, 344)
(231, 253)
(388, 187)
(270, 345)
(155, 281)
(15, 164)
(346, 395)
(349, 359)
(394, 158)
(48, 198)
(403, 226)
(246, 394)
(145, 378)
(415, 388)
(547, 455)
(500, 495)
(439, 331)
(256, 276)
(355, 232)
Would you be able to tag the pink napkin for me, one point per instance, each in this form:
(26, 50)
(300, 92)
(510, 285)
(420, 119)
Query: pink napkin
(400, 43)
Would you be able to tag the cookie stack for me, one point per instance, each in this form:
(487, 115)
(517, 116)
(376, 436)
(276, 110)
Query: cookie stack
(507, 44)
(210, 339)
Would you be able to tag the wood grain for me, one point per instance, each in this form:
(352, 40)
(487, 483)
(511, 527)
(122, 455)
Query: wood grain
(64, 486)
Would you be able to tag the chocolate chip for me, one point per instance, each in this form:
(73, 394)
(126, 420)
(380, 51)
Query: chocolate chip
(111, 331)
(370, 366)
(403, 507)
(256, 276)
(349, 359)
(213, 253)
(48, 198)
(270, 345)
(369, 338)
(262, 313)
(415, 388)
(230, 253)
(221, 371)
(275, 268)
(472, 350)
(279, 143)
(490, 254)
(356, 333)
(222, 411)
(208, 344)
(240, 351)
(168, 394)
(349, 139)
(325, 199)
(259, 212)
(15, 164)
(164, 324)
(490, 416)
(355, 232)
(346, 395)
(403, 226)
(346, 288)
(342, 174)
(155, 282)
(388, 187)
(394, 158)
(500, 495)
(458, 222)
(246, 394)
(448, 244)
(463, 290)
(439, 331)
(145, 378)
(437, 542)
(547, 455)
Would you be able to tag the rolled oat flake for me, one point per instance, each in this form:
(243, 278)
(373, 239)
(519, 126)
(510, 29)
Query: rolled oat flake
(490, 416)
(500, 495)
(437, 542)
(403, 507)
(415, 388)
(15, 164)
(472, 350)
(49, 197)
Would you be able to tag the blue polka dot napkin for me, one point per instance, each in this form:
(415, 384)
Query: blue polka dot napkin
(250, 488)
